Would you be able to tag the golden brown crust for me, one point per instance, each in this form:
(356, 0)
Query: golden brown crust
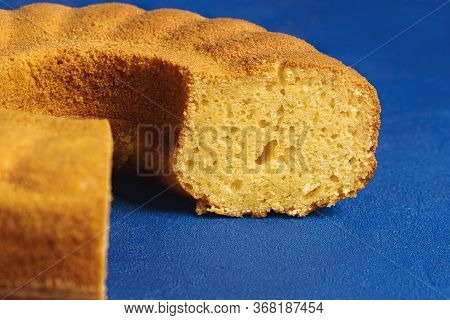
(221, 47)
(54, 204)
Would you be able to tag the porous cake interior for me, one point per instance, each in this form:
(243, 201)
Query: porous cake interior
(290, 143)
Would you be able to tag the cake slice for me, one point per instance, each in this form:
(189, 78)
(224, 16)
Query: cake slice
(54, 206)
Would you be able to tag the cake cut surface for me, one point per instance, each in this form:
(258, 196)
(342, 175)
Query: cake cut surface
(293, 145)
(261, 121)
(54, 206)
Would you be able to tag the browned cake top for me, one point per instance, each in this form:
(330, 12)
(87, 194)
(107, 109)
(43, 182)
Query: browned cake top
(221, 47)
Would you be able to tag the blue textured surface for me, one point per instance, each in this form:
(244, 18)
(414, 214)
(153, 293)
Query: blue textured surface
(392, 241)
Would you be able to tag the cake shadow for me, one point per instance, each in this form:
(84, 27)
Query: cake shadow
(150, 194)
(155, 197)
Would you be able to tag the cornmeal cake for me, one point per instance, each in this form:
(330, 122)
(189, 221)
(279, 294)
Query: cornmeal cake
(259, 121)
(54, 206)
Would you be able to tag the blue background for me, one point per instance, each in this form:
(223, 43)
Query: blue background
(391, 242)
